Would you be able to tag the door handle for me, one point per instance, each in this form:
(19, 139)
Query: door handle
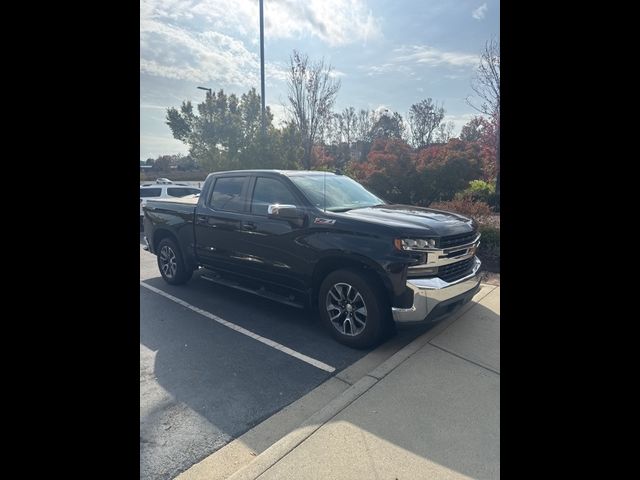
(249, 226)
(201, 218)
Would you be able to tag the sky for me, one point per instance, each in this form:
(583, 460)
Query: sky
(386, 53)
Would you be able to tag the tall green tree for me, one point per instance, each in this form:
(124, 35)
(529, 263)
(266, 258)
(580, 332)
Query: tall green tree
(225, 131)
(388, 126)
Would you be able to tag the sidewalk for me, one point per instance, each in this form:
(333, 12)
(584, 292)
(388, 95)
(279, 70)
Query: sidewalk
(432, 411)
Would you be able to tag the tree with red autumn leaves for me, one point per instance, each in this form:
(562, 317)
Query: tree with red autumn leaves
(397, 173)
(389, 170)
(444, 170)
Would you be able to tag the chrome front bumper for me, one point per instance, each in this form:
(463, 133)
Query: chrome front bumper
(433, 297)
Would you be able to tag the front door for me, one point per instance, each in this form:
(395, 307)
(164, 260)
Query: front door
(273, 248)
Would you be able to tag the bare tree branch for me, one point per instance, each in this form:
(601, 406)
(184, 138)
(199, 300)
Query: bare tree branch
(486, 83)
(312, 92)
(424, 118)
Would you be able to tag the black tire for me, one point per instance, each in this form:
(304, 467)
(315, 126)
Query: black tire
(171, 263)
(349, 326)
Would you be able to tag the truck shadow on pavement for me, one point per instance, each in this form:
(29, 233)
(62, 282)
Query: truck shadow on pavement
(203, 384)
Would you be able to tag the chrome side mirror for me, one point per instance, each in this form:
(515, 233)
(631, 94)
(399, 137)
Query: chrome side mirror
(286, 212)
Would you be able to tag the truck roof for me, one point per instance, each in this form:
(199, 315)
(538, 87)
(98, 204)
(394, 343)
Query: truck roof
(288, 173)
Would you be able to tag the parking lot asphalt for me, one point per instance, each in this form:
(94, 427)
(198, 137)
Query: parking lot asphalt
(202, 383)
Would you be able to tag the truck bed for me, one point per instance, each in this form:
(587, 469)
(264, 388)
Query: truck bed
(188, 200)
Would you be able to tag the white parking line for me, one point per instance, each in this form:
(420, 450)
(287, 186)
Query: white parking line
(244, 331)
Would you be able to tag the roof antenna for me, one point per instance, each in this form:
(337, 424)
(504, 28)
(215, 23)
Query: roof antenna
(324, 190)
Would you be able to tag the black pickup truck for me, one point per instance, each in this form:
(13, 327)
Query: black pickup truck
(319, 239)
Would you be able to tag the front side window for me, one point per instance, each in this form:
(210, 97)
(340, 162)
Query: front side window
(270, 191)
(227, 194)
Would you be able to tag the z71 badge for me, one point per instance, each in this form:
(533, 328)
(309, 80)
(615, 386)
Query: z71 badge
(324, 221)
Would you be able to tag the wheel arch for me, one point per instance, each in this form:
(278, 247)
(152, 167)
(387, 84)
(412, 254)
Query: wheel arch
(331, 263)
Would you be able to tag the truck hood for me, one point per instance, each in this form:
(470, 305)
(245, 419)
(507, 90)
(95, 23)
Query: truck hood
(414, 220)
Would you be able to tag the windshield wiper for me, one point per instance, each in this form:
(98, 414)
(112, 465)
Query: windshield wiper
(341, 210)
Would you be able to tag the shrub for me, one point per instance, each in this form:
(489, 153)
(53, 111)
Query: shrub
(478, 190)
(490, 241)
(494, 202)
(389, 171)
(446, 169)
(489, 251)
(465, 206)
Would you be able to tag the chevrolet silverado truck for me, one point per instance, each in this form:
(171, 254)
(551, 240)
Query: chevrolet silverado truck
(320, 240)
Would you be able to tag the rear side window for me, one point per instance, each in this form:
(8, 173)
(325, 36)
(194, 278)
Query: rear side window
(181, 191)
(150, 192)
(270, 191)
(227, 194)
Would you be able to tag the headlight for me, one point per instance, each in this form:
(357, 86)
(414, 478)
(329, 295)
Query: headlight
(414, 243)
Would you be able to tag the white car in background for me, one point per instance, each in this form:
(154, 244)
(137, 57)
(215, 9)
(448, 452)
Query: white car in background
(164, 188)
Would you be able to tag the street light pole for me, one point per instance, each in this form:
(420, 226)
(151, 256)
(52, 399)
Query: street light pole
(205, 88)
(210, 94)
(262, 63)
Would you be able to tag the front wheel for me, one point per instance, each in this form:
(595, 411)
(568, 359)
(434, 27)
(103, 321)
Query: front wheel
(171, 263)
(354, 308)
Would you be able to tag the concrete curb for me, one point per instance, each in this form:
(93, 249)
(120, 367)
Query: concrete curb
(284, 446)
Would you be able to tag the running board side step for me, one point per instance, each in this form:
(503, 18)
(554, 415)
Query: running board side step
(262, 292)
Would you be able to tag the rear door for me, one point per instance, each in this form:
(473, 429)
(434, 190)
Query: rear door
(219, 221)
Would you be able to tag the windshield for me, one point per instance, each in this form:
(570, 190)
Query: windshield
(342, 193)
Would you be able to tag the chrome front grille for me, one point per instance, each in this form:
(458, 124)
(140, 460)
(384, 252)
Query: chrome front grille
(455, 271)
(456, 240)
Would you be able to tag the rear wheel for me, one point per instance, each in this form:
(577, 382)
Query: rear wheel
(171, 263)
(354, 308)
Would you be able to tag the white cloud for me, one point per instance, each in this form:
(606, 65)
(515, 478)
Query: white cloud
(480, 12)
(170, 51)
(434, 57)
(335, 22)
(386, 68)
(151, 107)
(276, 71)
(409, 56)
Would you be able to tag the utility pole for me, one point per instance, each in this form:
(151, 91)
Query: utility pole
(262, 63)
